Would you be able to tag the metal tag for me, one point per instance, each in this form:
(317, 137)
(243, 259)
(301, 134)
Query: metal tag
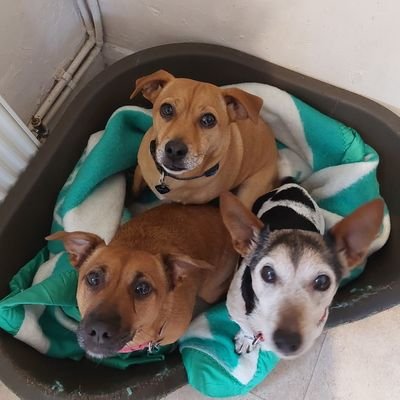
(162, 188)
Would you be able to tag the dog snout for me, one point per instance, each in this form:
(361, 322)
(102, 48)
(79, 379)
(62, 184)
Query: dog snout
(100, 332)
(288, 342)
(102, 336)
(176, 150)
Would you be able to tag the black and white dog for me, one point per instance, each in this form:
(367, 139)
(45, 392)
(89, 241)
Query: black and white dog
(290, 268)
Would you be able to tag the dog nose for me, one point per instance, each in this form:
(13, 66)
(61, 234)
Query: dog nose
(100, 332)
(176, 150)
(287, 341)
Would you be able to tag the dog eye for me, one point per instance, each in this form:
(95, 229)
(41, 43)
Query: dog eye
(95, 278)
(142, 289)
(167, 110)
(322, 283)
(268, 274)
(208, 120)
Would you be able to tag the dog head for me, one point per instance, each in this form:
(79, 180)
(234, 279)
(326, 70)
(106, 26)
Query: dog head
(191, 120)
(288, 277)
(121, 292)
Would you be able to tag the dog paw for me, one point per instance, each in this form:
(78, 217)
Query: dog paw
(245, 343)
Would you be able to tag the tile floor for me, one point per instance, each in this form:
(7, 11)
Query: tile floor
(359, 361)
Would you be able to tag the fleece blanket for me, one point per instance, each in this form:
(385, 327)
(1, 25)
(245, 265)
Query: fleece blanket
(327, 157)
(339, 170)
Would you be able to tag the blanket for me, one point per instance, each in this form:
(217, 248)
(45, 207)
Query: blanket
(41, 308)
(339, 170)
(327, 157)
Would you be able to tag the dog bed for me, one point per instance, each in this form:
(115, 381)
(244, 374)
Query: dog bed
(331, 161)
(42, 183)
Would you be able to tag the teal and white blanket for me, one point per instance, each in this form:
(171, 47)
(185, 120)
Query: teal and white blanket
(327, 157)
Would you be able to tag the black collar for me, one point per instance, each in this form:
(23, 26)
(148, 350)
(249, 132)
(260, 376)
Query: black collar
(163, 188)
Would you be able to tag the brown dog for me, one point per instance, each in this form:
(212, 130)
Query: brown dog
(204, 140)
(140, 289)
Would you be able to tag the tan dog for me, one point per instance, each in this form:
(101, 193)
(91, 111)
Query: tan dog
(140, 290)
(204, 140)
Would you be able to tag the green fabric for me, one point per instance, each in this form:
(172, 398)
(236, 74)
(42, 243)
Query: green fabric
(339, 171)
(44, 304)
(47, 309)
(116, 152)
(209, 362)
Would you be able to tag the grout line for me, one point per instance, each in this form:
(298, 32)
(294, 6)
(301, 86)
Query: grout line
(315, 366)
(256, 395)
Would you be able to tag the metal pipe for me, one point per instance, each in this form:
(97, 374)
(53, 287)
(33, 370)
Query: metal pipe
(71, 84)
(98, 39)
(98, 25)
(70, 77)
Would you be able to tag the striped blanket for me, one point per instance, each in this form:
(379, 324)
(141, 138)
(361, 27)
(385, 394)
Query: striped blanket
(327, 157)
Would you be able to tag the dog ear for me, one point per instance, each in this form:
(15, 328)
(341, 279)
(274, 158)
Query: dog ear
(354, 234)
(242, 105)
(78, 245)
(179, 265)
(151, 85)
(241, 223)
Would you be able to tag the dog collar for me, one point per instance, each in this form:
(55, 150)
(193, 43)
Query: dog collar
(162, 187)
(151, 346)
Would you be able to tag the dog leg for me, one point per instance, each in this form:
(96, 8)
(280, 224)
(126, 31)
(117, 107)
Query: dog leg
(245, 342)
(138, 182)
(256, 185)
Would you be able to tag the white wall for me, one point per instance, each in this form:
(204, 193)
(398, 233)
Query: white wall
(354, 44)
(37, 37)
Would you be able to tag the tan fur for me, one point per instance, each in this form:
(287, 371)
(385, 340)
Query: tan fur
(186, 244)
(241, 223)
(241, 142)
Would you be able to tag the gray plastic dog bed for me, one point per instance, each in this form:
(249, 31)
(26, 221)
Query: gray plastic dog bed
(26, 214)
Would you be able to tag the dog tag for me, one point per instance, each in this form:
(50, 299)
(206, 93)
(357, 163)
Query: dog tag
(153, 348)
(258, 338)
(162, 188)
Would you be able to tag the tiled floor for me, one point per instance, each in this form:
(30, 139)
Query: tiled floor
(360, 361)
